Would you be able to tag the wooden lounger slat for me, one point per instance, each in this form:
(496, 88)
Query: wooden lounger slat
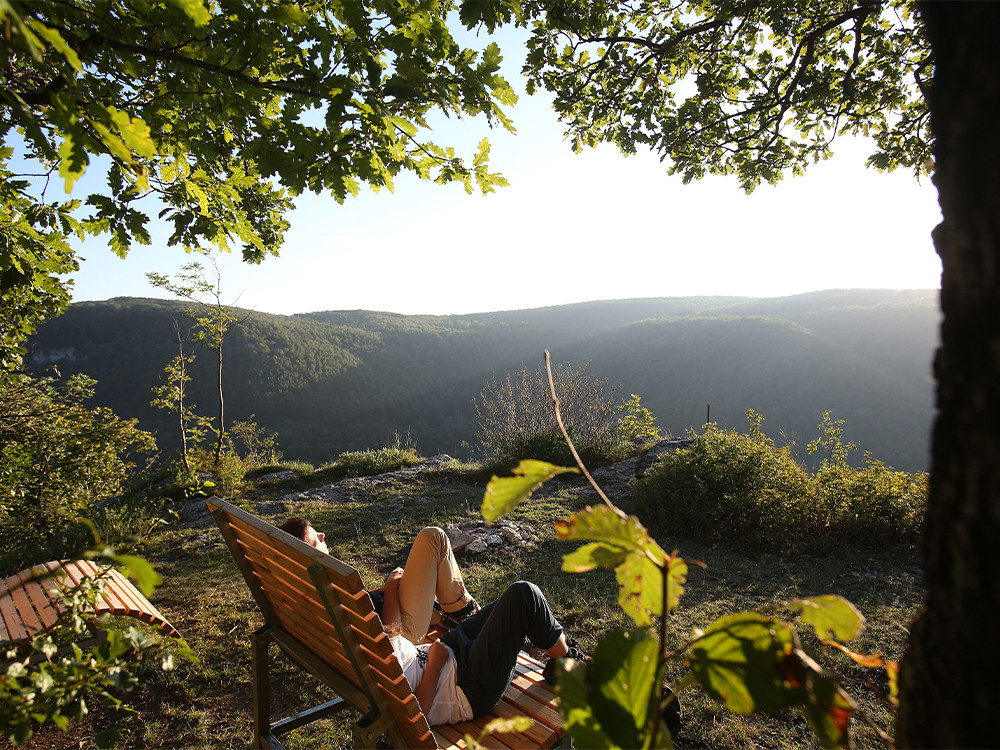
(317, 609)
(38, 596)
(8, 610)
(31, 601)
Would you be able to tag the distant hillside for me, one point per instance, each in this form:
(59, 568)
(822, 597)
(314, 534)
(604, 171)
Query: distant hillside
(334, 381)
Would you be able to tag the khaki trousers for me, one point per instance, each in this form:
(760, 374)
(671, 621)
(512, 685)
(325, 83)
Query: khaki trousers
(431, 572)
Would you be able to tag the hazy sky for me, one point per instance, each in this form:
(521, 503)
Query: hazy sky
(570, 228)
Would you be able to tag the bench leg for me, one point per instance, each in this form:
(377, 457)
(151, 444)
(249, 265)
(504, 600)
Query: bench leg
(259, 643)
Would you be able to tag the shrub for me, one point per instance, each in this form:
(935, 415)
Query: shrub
(371, 462)
(743, 491)
(729, 487)
(516, 419)
(58, 461)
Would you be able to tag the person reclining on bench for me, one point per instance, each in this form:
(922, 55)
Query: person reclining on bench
(431, 574)
(464, 673)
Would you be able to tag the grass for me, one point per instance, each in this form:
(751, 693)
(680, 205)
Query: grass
(207, 704)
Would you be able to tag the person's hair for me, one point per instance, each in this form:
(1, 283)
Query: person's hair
(296, 526)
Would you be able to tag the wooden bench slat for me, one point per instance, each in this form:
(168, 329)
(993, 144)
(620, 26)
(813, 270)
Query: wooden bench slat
(31, 583)
(12, 623)
(302, 617)
(289, 575)
(284, 583)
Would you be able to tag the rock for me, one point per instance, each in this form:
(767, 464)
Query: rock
(477, 545)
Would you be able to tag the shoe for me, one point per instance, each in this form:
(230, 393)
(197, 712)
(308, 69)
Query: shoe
(672, 713)
(453, 619)
(575, 652)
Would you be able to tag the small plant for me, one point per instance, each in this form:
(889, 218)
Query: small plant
(371, 462)
(637, 423)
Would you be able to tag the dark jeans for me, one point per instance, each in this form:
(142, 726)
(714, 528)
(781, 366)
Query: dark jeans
(486, 644)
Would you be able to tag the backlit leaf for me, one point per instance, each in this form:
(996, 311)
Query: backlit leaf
(578, 714)
(594, 555)
(831, 616)
(738, 660)
(503, 494)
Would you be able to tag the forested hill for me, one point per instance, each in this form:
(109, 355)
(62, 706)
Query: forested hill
(333, 381)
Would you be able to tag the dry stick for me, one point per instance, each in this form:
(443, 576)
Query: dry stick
(664, 567)
(569, 442)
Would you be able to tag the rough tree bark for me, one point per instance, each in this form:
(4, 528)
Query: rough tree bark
(950, 675)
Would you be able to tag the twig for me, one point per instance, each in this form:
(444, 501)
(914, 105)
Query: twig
(569, 442)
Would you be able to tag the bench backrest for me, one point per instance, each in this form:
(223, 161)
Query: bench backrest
(321, 614)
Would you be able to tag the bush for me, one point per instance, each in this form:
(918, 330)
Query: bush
(517, 419)
(729, 487)
(58, 461)
(371, 462)
(743, 491)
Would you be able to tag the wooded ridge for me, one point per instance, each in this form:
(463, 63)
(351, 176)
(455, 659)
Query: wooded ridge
(327, 382)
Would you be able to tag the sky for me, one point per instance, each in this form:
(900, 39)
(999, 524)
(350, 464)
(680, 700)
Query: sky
(570, 228)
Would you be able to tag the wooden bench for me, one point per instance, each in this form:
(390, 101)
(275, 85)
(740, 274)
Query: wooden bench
(317, 610)
(30, 601)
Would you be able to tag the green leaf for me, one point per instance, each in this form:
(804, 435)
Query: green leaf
(739, 661)
(640, 588)
(622, 679)
(593, 555)
(196, 10)
(134, 131)
(575, 706)
(604, 524)
(53, 37)
(504, 494)
(829, 711)
(832, 617)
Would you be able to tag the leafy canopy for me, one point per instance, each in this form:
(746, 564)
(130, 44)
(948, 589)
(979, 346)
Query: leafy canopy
(223, 111)
(752, 88)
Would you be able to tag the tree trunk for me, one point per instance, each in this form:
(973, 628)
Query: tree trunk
(222, 410)
(950, 675)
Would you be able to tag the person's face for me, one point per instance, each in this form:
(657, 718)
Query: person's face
(316, 539)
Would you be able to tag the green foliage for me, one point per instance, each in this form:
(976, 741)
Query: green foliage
(54, 679)
(733, 487)
(58, 461)
(637, 423)
(371, 462)
(751, 89)
(254, 444)
(742, 490)
(516, 419)
(206, 109)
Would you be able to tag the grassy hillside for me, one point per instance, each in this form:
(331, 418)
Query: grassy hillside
(345, 380)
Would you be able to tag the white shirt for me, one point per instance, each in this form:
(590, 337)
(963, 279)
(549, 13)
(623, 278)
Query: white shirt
(450, 704)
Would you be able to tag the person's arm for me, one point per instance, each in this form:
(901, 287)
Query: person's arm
(436, 658)
(391, 617)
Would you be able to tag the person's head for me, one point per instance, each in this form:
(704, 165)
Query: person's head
(300, 528)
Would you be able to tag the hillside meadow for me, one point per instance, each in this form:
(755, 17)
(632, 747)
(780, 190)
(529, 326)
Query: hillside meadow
(207, 704)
